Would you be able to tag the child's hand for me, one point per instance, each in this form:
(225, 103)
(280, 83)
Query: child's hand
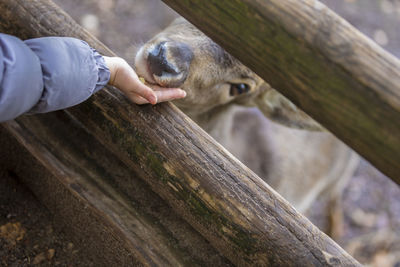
(126, 80)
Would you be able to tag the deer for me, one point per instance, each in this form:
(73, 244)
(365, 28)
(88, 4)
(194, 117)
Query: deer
(283, 145)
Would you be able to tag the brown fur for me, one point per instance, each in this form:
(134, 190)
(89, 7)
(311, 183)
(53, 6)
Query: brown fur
(298, 164)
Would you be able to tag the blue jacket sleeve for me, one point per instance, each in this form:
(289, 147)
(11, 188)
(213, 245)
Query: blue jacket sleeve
(46, 74)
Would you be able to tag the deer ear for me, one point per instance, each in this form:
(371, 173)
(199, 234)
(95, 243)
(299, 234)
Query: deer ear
(281, 110)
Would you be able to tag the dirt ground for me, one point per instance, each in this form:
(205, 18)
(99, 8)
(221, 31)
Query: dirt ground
(371, 201)
(27, 233)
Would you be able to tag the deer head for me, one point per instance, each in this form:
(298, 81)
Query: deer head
(182, 56)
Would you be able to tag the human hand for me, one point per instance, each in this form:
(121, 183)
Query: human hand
(126, 80)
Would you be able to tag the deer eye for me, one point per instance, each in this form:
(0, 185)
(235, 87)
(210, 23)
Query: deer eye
(239, 88)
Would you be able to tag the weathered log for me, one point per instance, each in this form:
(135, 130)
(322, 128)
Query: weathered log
(240, 215)
(98, 198)
(319, 61)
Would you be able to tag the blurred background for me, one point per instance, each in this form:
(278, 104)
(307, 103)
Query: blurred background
(371, 201)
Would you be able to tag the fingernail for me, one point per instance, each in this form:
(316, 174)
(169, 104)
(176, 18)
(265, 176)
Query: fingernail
(154, 99)
(183, 93)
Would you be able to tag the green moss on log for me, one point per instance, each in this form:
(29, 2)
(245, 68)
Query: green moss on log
(321, 63)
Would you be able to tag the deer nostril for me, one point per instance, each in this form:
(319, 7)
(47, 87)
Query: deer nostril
(158, 62)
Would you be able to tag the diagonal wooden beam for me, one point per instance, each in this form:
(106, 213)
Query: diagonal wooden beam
(238, 214)
(97, 198)
(319, 61)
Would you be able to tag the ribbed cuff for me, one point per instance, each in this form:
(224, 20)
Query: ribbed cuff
(103, 71)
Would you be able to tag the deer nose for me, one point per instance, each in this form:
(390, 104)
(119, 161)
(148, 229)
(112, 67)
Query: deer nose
(170, 58)
(158, 62)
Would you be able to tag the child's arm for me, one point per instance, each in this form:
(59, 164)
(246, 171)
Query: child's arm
(21, 81)
(51, 73)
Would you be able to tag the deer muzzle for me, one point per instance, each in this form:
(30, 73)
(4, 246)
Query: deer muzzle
(166, 63)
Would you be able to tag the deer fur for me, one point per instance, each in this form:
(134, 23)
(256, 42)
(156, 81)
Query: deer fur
(298, 163)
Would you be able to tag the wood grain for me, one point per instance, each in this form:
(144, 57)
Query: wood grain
(240, 215)
(319, 61)
(99, 199)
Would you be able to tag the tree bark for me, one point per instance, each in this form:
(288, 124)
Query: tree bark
(237, 212)
(97, 198)
(319, 61)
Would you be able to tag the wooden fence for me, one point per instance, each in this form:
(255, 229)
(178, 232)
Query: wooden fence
(147, 186)
(319, 61)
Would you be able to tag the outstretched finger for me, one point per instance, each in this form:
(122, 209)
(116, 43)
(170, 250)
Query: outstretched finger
(137, 99)
(168, 94)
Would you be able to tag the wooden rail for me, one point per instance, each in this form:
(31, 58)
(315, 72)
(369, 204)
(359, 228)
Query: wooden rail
(107, 210)
(319, 61)
(238, 214)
